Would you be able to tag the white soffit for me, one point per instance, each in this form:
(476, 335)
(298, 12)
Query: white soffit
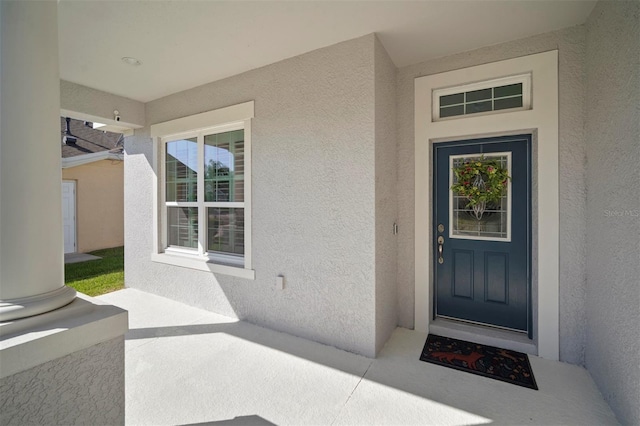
(184, 44)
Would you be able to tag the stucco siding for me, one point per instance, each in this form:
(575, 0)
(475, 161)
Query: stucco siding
(85, 387)
(313, 140)
(96, 103)
(99, 204)
(386, 195)
(570, 44)
(613, 204)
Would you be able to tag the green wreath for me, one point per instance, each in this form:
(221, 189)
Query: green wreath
(482, 181)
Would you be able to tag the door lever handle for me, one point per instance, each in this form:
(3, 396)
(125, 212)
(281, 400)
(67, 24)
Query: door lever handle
(440, 244)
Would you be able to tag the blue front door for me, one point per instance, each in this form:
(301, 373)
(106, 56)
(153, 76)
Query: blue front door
(482, 257)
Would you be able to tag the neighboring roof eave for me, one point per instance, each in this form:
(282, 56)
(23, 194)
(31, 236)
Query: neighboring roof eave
(80, 160)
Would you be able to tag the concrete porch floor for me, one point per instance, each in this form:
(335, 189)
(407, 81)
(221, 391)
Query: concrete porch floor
(189, 366)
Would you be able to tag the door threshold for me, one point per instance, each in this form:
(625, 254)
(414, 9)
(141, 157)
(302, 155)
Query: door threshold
(483, 335)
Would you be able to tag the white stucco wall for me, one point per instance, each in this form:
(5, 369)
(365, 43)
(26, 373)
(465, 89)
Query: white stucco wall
(613, 204)
(82, 388)
(314, 199)
(570, 44)
(386, 195)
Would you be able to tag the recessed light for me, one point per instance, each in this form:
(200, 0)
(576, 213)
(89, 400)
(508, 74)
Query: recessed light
(131, 61)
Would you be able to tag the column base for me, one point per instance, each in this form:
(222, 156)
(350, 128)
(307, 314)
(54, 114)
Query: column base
(13, 309)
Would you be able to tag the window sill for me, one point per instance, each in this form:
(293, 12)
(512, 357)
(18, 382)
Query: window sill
(202, 264)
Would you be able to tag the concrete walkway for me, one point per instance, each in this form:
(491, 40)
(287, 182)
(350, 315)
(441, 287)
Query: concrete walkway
(79, 257)
(189, 366)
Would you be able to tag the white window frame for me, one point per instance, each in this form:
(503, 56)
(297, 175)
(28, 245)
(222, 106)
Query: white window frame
(231, 118)
(525, 79)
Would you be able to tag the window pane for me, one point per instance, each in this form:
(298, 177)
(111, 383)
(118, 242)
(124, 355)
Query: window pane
(479, 95)
(492, 223)
(507, 103)
(457, 98)
(181, 165)
(451, 111)
(225, 230)
(224, 166)
(478, 107)
(509, 90)
(499, 98)
(182, 223)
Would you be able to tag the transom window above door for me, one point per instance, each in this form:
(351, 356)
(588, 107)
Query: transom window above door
(487, 97)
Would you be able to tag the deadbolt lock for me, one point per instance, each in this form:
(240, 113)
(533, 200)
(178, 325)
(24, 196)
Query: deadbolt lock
(440, 228)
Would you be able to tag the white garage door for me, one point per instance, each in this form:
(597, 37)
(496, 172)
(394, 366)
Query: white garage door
(69, 215)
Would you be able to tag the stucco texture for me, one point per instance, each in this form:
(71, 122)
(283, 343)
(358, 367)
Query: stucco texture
(386, 195)
(99, 204)
(96, 103)
(314, 199)
(613, 204)
(570, 44)
(83, 388)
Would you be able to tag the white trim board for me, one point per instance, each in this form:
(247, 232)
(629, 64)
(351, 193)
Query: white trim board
(80, 160)
(204, 120)
(542, 120)
(70, 246)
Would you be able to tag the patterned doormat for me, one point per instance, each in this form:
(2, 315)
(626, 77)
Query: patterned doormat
(500, 364)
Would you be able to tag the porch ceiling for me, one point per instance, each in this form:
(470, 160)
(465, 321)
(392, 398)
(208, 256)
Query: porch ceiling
(183, 44)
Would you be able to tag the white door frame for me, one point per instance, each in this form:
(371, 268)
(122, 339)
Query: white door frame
(75, 216)
(542, 121)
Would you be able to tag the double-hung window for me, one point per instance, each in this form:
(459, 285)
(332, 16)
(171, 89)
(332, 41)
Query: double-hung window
(204, 190)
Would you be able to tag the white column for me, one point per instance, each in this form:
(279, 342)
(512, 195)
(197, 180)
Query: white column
(31, 238)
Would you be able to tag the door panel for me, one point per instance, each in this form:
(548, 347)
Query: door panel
(484, 276)
(496, 272)
(462, 282)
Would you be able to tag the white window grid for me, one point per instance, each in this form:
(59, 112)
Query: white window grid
(201, 251)
(524, 79)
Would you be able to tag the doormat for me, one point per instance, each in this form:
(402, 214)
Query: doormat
(488, 361)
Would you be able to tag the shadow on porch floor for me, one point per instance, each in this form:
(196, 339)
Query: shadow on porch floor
(189, 366)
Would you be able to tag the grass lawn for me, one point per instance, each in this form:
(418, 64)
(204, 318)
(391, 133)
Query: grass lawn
(97, 277)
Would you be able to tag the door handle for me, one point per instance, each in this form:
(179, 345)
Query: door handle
(440, 244)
